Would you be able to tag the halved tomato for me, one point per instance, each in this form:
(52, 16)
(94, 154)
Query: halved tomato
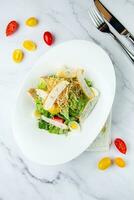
(58, 119)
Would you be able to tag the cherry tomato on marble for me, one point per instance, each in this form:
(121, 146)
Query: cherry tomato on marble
(48, 38)
(104, 163)
(17, 55)
(32, 21)
(29, 45)
(12, 27)
(120, 162)
(120, 145)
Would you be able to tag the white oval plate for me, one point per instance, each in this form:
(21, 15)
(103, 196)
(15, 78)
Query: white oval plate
(49, 149)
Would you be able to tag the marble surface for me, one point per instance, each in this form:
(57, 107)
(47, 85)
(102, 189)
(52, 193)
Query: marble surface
(79, 179)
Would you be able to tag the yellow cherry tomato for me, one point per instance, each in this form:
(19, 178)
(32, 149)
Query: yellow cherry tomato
(54, 109)
(32, 21)
(104, 163)
(17, 55)
(119, 162)
(29, 45)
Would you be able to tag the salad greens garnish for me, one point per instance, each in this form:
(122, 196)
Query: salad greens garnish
(61, 100)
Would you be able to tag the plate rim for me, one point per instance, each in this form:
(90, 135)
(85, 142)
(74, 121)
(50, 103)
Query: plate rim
(35, 65)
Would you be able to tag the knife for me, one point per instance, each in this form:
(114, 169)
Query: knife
(113, 21)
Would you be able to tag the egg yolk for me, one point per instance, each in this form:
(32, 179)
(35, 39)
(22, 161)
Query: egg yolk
(74, 126)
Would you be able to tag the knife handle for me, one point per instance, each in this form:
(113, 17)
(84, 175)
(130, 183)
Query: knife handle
(128, 52)
(127, 43)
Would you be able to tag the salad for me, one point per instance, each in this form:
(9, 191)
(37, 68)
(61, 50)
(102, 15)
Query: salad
(63, 100)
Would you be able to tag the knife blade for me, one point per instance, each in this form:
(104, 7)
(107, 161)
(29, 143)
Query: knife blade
(113, 21)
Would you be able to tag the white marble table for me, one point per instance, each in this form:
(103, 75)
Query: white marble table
(79, 179)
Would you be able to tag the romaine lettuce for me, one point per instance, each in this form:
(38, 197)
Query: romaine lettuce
(88, 82)
(40, 109)
(50, 128)
(77, 103)
(42, 84)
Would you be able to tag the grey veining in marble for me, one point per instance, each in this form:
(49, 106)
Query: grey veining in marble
(80, 179)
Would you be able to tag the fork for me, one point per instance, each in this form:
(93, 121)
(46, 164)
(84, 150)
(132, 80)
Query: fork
(102, 26)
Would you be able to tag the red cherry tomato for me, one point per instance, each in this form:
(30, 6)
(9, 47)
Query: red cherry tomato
(58, 119)
(48, 38)
(120, 145)
(11, 28)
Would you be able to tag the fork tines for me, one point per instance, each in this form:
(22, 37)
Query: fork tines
(95, 16)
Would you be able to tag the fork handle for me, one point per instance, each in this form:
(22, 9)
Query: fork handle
(130, 37)
(128, 52)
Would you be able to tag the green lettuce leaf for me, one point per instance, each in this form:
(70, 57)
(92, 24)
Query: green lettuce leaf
(40, 109)
(88, 82)
(42, 84)
(65, 112)
(56, 130)
(77, 104)
(50, 128)
(43, 125)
